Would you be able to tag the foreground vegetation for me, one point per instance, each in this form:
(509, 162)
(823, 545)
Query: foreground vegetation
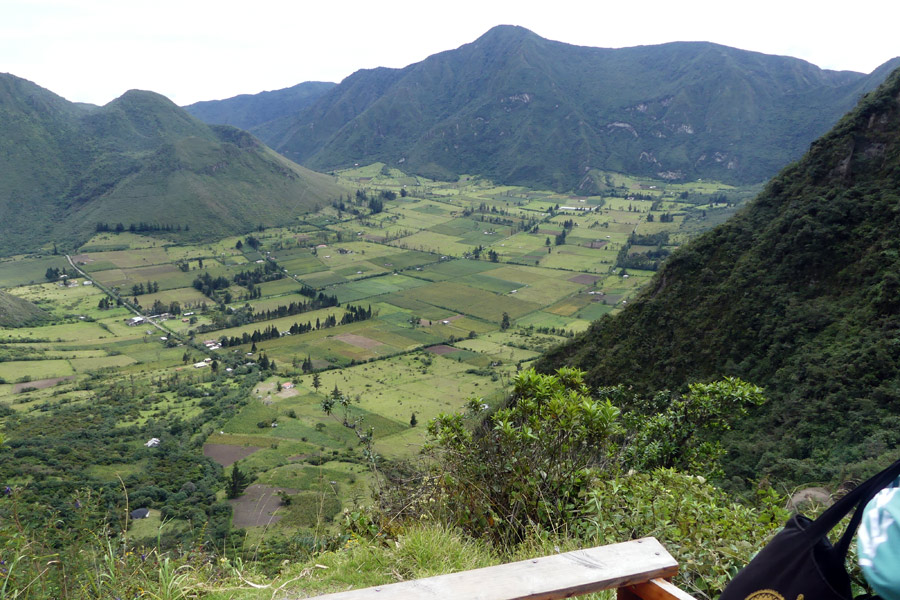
(547, 472)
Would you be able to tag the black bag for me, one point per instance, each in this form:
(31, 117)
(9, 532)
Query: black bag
(800, 563)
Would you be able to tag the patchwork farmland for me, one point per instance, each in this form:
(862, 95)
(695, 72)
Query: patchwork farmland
(401, 300)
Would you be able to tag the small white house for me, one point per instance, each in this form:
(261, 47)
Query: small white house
(152, 443)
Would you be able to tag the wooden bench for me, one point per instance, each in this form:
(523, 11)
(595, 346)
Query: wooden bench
(638, 569)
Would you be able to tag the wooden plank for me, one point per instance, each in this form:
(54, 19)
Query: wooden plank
(547, 578)
(658, 589)
(626, 593)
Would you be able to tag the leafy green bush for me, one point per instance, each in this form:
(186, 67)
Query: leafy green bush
(529, 465)
(708, 533)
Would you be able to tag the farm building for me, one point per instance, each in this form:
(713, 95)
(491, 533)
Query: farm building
(152, 443)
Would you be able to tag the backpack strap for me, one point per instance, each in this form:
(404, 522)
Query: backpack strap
(855, 499)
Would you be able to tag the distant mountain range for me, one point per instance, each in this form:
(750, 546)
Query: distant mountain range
(250, 110)
(140, 159)
(522, 109)
(799, 293)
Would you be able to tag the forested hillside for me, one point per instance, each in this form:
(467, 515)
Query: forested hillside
(138, 161)
(525, 110)
(799, 293)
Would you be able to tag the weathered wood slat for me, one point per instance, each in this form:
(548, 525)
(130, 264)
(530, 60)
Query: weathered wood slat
(546, 578)
(659, 589)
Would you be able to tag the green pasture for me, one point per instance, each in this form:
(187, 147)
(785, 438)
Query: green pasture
(571, 305)
(62, 300)
(452, 269)
(115, 471)
(302, 264)
(428, 241)
(594, 311)
(489, 283)
(546, 319)
(283, 323)
(83, 332)
(459, 226)
(471, 301)
(125, 241)
(374, 286)
(579, 258)
(124, 259)
(322, 279)
(278, 287)
(153, 526)
(497, 351)
(186, 296)
(23, 271)
(88, 365)
(32, 370)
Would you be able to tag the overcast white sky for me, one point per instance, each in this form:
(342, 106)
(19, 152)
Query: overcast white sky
(190, 50)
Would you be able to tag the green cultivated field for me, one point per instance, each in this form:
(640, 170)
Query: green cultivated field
(467, 283)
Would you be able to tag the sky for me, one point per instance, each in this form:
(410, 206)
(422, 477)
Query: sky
(191, 50)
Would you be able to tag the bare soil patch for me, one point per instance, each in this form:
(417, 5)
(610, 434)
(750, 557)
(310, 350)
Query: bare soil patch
(257, 506)
(226, 454)
(585, 279)
(287, 393)
(442, 349)
(596, 244)
(40, 383)
(360, 341)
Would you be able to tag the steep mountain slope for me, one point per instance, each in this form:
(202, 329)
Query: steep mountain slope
(248, 110)
(799, 293)
(139, 159)
(16, 312)
(523, 109)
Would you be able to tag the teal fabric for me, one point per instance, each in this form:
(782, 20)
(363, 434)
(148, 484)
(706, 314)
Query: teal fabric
(879, 542)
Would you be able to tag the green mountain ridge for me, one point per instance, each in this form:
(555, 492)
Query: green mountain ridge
(798, 293)
(522, 109)
(138, 159)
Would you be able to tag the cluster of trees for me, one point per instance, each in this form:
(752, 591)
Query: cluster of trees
(106, 303)
(68, 452)
(663, 218)
(318, 301)
(208, 285)
(649, 260)
(353, 314)
(138, 227)
(160, 307)
(491, 253)
(139, 289)
(268, 271)
(54, 273)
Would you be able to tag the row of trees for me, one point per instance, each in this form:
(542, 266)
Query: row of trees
(141, 227)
